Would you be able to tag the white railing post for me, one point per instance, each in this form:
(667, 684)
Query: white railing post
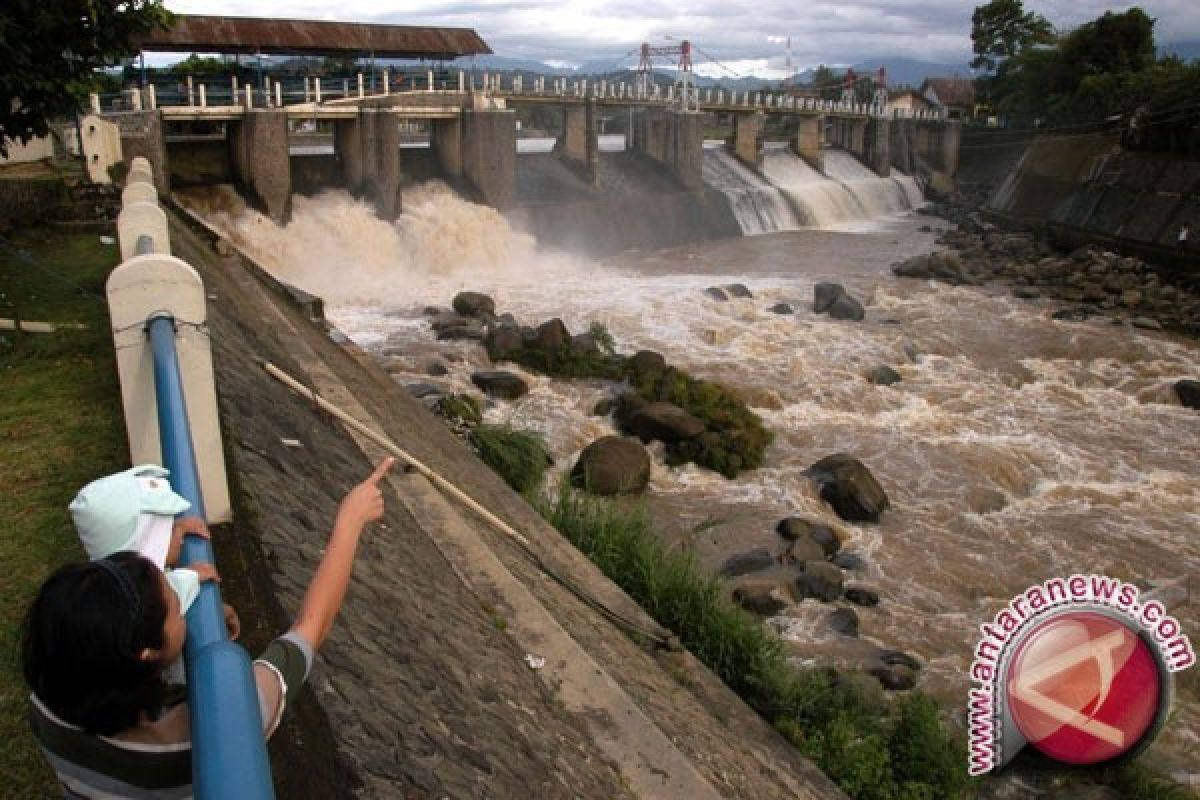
(191, 92)
(317, 90)
(94, 102)
(203, 96)
(360, 84)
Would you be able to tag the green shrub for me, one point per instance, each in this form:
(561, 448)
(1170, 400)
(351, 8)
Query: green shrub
(904, 756)
(520, 457)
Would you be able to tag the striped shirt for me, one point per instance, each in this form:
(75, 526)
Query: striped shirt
(153, 761)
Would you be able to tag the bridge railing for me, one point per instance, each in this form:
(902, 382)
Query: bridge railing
(157, 305)
(305, 89)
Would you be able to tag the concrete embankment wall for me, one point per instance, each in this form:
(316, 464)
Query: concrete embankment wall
(1087, 188)
(423, 689)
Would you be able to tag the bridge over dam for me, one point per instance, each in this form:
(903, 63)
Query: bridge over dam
(262, 139)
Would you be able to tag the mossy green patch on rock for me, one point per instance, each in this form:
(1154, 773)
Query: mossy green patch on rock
(520, 457)
(735, 438)
(462, 408)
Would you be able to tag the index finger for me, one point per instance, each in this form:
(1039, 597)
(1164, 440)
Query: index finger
(381, 470)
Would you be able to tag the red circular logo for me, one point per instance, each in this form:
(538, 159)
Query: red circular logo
(1083, 687)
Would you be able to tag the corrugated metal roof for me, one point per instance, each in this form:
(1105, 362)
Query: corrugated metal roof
(208, 34)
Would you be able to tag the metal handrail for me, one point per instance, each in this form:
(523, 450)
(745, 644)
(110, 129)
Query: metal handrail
(229, 756)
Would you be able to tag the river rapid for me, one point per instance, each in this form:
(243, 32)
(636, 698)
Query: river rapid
(1070, 426)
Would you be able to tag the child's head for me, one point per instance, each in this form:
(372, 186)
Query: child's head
(96, 638)
(131, 510)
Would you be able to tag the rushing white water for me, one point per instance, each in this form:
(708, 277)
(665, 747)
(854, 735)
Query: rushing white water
(789, 194)
(758, 206)
(1071, 425)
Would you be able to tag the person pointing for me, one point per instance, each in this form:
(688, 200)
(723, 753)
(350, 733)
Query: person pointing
(98, 637)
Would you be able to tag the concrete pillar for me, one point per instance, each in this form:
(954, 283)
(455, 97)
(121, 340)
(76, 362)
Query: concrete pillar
(381, 157)
(747, 133)
(142, 135)
(348, 146)
(808, 143)
(191, 91)
(489, 155)
(579, 145)
(259, 156)
(447, 145)
(877, 152)
(674, 139)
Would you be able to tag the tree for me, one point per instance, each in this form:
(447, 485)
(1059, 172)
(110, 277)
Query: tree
(1002, 29)
(50, 51)
(1113, 43)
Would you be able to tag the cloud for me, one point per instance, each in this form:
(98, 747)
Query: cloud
(824, 31)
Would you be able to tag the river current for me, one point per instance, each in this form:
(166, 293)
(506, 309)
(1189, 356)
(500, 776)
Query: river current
(1070, 426)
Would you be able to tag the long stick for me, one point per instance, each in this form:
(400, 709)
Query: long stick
(394, 449)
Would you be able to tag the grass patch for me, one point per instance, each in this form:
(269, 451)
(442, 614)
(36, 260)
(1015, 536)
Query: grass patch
(905, 754)
(520, 457)
(60, 426)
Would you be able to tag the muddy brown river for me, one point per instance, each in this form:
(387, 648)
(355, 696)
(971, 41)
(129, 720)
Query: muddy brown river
(1070, 427)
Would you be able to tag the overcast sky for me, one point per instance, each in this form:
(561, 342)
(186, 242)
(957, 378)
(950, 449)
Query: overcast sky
(743, 37)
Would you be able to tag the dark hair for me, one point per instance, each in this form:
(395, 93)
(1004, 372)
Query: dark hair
(81, 640)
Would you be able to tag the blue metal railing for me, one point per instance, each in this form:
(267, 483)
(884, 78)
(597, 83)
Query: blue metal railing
(229, 756)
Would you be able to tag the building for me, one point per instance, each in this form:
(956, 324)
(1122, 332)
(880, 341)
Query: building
(954, 97)
(906, 101)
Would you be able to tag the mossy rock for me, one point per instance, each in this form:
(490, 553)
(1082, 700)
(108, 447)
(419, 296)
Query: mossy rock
(459, 408)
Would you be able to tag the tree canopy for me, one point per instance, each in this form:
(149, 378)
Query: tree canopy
(51, 49)
(1002, 30)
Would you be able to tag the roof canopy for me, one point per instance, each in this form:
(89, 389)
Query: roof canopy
(207, 34)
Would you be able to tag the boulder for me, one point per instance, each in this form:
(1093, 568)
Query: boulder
(647, 362)
(737, 290)
(419, 390)
(436, 368)
(717, 293)
(473, 304)
(861, 596)
(851, 562)
(584, 343)
(883, 375)
(499, 383)
(612, 465)
(844, 621)
(503, 343)
(603, 407)
(1189, 393)
(819, 580)
(470, 329)
(826, 539)
(1147, 323)
(761, 600)
(664, 422)
(849, 487)
(552, 336)
(801, 550)
(846, 307)
(793, 528)
(745, 563)
(895, 678)
(825, 295)
(628, 404)
(781, 308)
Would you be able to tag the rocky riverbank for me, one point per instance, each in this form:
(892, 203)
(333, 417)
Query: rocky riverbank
(1088, 282)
